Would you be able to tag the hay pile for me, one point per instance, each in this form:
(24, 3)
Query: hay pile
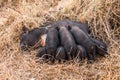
(103, 16)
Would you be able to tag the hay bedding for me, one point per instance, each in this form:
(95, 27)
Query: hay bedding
(19, 65)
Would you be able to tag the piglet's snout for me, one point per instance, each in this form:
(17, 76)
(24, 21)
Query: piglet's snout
(23, 47)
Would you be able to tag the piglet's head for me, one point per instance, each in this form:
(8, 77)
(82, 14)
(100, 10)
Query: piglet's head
(31, 38)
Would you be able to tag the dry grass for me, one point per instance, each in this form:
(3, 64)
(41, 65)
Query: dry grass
(101, 15)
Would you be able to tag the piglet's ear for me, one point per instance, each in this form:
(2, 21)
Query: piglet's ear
(25, 29)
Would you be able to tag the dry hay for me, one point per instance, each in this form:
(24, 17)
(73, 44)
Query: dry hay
(103, 17)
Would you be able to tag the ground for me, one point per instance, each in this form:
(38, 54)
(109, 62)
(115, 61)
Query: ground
(103, 17)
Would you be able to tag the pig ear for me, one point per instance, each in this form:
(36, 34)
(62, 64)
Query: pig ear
(25, 29)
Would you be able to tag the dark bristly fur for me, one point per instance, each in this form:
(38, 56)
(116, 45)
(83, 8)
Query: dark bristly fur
(83, 39)
(66, 23)
(61, 54)
(30, 38)
(67, 41)
(81, 53)
(101, 47)
(52, 41)
(42, 53)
